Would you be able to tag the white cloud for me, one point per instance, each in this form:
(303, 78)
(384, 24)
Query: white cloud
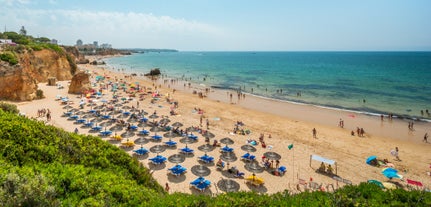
(13, 2)
(129, 29)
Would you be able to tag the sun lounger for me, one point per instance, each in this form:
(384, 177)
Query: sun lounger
(197, 181)
(96, 128)
(226, 149)
(245, 156)
(105, 133)
(171, 143)
(157, 137)
(177, 170)
(206, 159)
(144, 132)
(158, 160)
(186, 150)
(203, 185)
(141, 151)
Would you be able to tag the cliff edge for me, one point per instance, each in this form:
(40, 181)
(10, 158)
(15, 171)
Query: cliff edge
(18, 82)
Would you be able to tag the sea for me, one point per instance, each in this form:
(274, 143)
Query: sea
(373, 83)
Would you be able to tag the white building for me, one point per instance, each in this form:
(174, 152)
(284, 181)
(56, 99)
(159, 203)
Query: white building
(6, 41)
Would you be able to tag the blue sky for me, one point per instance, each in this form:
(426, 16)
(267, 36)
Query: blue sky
(228, 25)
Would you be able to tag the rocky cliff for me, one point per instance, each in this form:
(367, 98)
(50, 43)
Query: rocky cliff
(80, 82)
(19, 82)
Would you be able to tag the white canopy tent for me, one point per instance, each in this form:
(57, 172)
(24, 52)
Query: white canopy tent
(325, 160)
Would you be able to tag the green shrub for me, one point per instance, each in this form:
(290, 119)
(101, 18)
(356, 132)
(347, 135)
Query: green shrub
(39, 94)
(72, 64)
(11, 108)
(9, 57)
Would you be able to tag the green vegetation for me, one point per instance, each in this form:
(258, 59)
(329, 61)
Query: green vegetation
(72, 64)
(39, 94)
(9, 57)
(10, 108)
(30, 42)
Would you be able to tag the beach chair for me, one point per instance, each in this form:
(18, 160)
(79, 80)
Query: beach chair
(157, 137)
(249, 158)
(144, 132)
(226, 149)
(186, 150)
(282, 170)
(158, 160)
(245, 156)
(171, 143)
(177, 170)
(133, 127)
(207, 159)
(141, 151)
(197, 181)
(203, 185)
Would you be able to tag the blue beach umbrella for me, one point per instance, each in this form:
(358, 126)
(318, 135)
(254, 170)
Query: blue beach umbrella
(370, 158)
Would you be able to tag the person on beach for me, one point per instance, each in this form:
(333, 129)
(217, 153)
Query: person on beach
(394, 153)
(167, 187)
(425, 138)
(314, 133)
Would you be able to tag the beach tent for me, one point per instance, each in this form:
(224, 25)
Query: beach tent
(322, 159)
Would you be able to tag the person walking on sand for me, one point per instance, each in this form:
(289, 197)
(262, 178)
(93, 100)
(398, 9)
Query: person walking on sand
(167, 187)
(425, 138)
(314, 133)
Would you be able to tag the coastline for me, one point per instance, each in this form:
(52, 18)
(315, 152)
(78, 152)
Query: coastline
(287, 125)
(399, 104)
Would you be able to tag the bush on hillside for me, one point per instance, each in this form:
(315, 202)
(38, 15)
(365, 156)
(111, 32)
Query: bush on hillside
(9, 57)
(11, 108)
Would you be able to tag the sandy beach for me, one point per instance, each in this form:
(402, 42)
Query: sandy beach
(287, 124)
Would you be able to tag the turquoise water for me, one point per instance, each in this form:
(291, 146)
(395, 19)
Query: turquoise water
(389, 82)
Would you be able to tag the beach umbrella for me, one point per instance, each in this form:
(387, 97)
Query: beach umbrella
(170, 134)
(227, 141)
(164, 121)
(132, 119)
(176, 158)
(118, 105)
(248, 148)
(200, 170)
(370, 159)
(153, 116)
(141, 141)
(187, 140)
(228, 157)
(206, 148)
(127, 134)
(272, 155)
(97, 119)
(144, 124)
(105, 124)
(254, 167)
(228, 185)
(191, 129)
(157, 148)
(155, 129)
(68, 107)
(116, 128)
(177, 124)
(208, 135)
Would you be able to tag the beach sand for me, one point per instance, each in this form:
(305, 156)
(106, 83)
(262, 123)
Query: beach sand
(286, 122)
